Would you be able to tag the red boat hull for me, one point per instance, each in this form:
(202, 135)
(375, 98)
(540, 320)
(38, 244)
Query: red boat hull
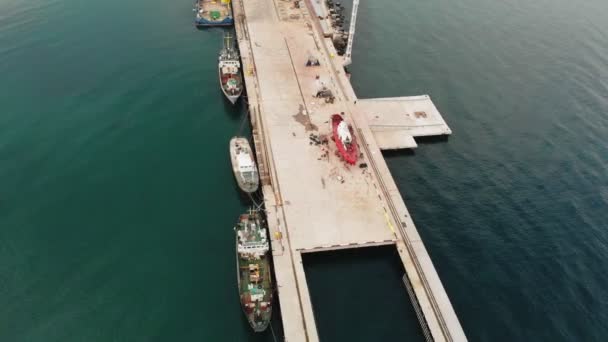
(349, 152)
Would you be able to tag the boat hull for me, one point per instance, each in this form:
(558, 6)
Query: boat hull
(232, 97)
(202, 22)
(349, 152)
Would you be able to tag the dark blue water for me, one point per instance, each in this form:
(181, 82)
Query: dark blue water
(117, 201)
(514, 207)
(359, 295)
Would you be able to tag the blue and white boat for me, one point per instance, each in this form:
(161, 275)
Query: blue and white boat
(213, 13)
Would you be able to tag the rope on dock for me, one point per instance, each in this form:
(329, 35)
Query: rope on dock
(256, 206)
(242, 125)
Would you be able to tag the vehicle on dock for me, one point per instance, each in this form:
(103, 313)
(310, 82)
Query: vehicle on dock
(229, 68)
(213, 13)
(243, 164)
(344, 137)
(254, 274)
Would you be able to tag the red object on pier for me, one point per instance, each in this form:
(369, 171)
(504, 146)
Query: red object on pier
(345, 139)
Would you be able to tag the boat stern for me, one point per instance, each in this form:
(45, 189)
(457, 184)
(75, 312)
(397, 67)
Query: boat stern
(233, 98)
(259, 326)
(260, 323)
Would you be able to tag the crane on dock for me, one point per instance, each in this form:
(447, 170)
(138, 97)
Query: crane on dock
(351, 33)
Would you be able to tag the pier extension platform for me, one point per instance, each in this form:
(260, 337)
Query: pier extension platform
(396, 121)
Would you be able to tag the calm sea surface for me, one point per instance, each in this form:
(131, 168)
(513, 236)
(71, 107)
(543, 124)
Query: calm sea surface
(117, 200)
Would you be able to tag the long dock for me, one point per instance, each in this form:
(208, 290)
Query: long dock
(313, 201)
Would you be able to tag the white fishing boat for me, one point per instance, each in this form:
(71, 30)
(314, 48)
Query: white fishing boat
(243, 164)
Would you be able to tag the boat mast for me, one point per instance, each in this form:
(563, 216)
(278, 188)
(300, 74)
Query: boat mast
(227, 41)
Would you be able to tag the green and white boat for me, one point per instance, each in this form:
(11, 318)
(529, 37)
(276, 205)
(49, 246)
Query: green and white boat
(254, 274)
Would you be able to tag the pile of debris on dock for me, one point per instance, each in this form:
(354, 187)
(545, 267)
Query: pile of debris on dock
(318, 139)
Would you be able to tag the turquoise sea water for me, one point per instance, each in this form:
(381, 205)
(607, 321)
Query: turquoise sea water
(117, 200)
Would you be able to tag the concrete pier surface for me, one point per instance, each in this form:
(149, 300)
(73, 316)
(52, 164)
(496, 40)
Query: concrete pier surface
(396, 121)
(314, 201)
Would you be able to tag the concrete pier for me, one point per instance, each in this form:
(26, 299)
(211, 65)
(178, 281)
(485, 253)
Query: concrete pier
(314, 202)
(396, 121)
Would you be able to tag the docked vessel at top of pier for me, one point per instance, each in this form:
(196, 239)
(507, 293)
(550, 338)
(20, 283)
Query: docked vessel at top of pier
(213, 13)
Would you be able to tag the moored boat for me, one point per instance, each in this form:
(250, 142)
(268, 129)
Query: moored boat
(344, 137)
(213, 13)
(229, 69)
(243, 164)
(254, 274)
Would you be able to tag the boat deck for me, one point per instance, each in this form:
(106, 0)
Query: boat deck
(214, 10)
(265, 275)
